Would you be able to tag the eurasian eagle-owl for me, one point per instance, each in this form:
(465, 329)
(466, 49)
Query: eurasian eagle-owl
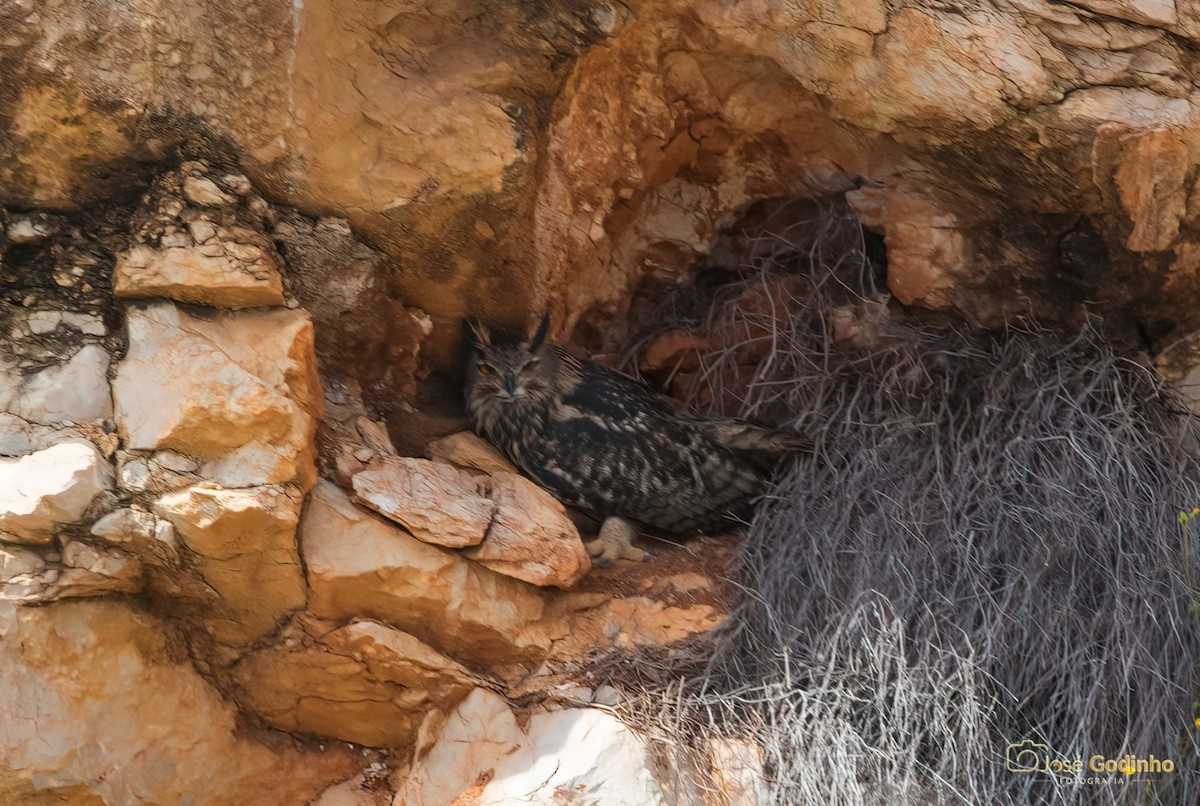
(600, 441)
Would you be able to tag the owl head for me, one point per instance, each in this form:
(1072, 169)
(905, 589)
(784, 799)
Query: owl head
(509, 373)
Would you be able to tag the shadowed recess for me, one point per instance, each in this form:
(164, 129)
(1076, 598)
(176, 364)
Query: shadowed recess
(989, 548)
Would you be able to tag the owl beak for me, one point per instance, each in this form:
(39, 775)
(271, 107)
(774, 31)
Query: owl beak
(510, 383)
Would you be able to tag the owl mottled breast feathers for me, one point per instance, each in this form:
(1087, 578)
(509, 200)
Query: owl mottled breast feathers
(604, 443)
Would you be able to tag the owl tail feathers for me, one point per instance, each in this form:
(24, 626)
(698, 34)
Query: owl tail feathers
(772, 444)
(762, 444)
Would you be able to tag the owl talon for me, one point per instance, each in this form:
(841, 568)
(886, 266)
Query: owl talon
(615, 542)
(601, 552)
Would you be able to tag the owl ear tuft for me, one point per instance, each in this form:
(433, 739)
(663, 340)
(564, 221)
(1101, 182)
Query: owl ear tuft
(476, 332)
(540, 335)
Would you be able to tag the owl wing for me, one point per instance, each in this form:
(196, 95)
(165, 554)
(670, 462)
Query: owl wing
(616, 399)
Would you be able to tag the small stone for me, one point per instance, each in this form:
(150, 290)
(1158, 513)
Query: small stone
(42, 322)
(573, 750)
(375, 435)
(200, 73)
(204, 192)
(174, 461)
(85, 323)
(175, 240)
(22, 574)
(26, 230)
(16, 561)
(202, 230)
(238, 183)
(607, 695)
(134, 475)
(364, 455)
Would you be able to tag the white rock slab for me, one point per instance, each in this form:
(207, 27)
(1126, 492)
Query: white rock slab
(47, 489)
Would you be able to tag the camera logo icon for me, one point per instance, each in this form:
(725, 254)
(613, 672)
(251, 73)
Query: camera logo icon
(1027, 756)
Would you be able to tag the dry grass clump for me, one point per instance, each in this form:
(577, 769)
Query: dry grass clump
(985, 549)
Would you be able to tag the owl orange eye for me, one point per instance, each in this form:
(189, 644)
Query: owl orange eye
(484, 369)
(533, 362)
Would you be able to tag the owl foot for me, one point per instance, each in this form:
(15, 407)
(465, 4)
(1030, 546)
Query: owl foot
(615, 542)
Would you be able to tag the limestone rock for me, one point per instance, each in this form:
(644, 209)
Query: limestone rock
(531, 537)
(102, 704)
(575, 755)
(436, 503)
(238, 391)
(359, 566)
(363, 683)
(74, 391)
(157, 473)
(236, 276)
(375, 436)
(204, 192)
(242, 543)
(89, 571)
(456, 749)
(19, 437)
(468, 452)
(22, 574)
(47, 489)
(577, 750)
(139, 532)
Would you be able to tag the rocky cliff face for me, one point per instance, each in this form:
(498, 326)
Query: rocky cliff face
(236, 241)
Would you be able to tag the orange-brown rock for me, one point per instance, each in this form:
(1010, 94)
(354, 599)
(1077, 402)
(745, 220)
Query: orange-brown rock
(103, 706)
(359, 566)
(467, 451)
(237, 390)
(92, 571)
(629, 622)
(242, 545)
(364, 683)
(228, 275)
(434, 502)
(514, 158)
(530, 537)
